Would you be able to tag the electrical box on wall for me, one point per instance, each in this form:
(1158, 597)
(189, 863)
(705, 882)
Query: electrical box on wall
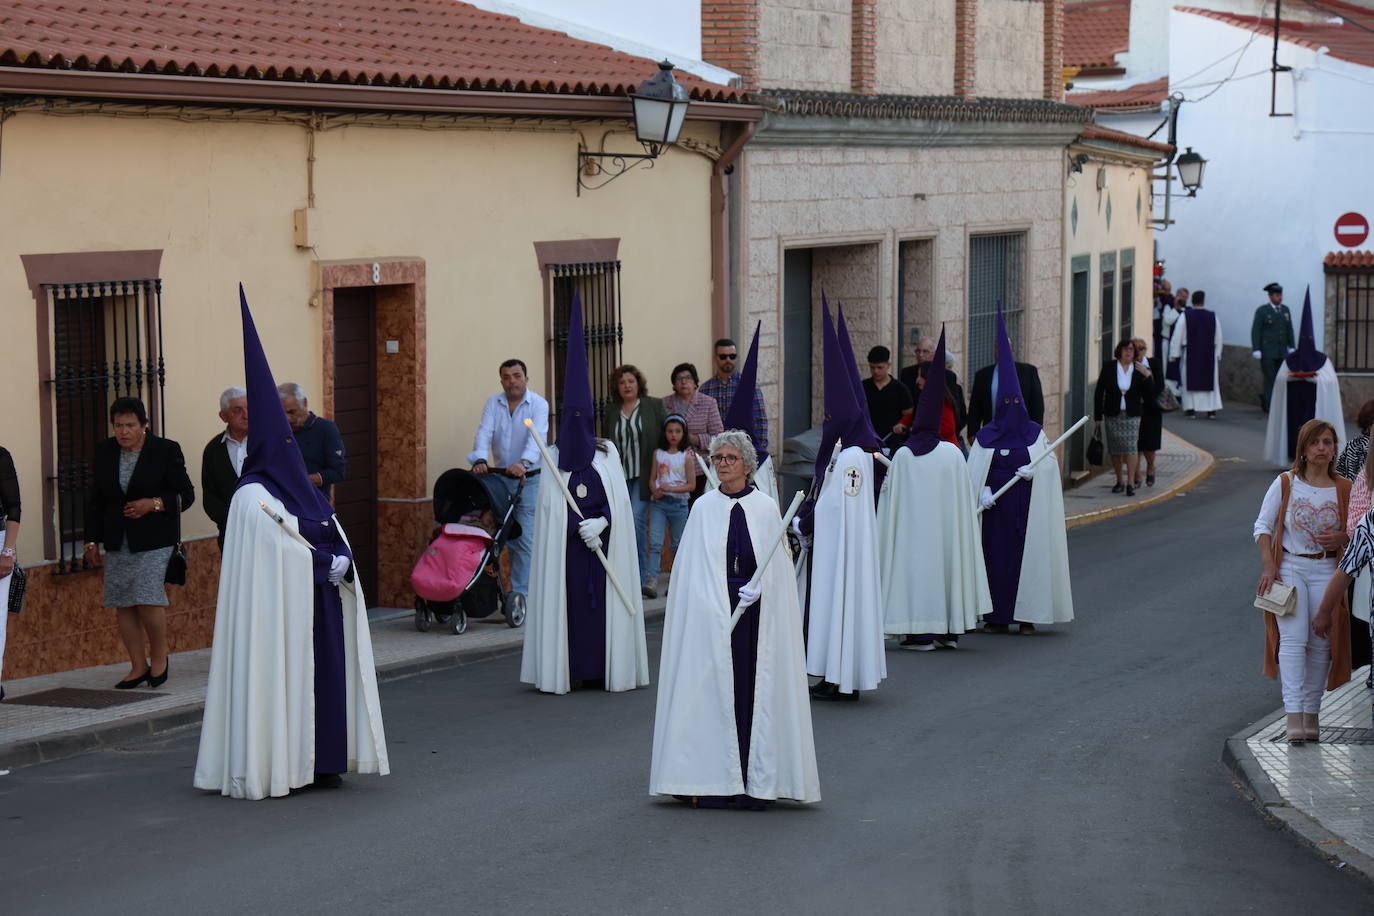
(304, 227)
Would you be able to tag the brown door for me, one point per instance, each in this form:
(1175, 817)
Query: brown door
(355, 411)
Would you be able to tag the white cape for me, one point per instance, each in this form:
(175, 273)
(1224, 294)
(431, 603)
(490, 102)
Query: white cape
(1178, 345)
(1044, 593)
(258, 735)
(844, 642)
(929, 553)
(696, 748)
(1328, 409)
(544, 662)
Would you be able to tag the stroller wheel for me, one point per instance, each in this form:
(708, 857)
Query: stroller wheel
(513, 607)
(459, 622)
(423, 618)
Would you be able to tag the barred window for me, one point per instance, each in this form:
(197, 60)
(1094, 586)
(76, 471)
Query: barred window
(598, 283)
(1350, 296)
(1107, 342)
(106, 344)
(996, 274)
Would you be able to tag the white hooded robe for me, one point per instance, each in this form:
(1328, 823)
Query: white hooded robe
(1328, 409)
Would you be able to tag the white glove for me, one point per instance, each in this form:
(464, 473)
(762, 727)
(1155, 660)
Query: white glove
(796, 526)
(986, 500)
(1025, 472)
(1292, 350)
(1256, 354)
(747, 597)
(337, 570)
(590, 531)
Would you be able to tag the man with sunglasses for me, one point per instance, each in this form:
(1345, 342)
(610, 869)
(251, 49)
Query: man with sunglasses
(723, 384)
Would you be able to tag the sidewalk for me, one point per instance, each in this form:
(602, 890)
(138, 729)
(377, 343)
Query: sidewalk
(1179, 465)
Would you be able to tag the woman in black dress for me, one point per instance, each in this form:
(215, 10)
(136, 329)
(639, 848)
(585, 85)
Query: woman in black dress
(1151, 417)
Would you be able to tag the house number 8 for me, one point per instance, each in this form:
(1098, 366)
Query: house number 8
(376, 272)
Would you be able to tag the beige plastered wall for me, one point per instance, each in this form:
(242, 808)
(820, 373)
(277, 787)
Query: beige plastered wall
(810, 198)
(805, 44)
(915, 47)
(1010, 49)
(218, 199)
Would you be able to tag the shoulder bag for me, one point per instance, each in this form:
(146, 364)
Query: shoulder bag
(19, 581)
(176, 564)
(1165, 401)
(1096, 451)
(1281, 600)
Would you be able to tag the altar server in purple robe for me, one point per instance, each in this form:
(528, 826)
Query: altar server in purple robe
(732, 726)
(292, 693)
(934, 586)
(1197, 338)
(1025, 545)
(579, 630)
(1306, 388)
(741, 416)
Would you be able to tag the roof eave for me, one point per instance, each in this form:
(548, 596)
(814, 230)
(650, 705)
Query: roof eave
(143, 87)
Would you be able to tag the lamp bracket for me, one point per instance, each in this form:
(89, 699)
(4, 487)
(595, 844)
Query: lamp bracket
(610, 166)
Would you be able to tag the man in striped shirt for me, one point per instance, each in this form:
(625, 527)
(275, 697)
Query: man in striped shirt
(723, 384)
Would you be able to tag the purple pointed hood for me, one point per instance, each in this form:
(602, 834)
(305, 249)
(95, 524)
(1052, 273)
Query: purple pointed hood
(273, 460)
(741, 413)
(843, 420)
(867, 438)
(1011, 425)
(1306, 358)
(576, 426)
(925, 421)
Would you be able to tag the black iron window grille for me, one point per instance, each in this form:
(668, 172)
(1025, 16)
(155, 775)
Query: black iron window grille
(598, 282)
(1353, 292)
(1107, 337)
(996, 273)
(107, 343)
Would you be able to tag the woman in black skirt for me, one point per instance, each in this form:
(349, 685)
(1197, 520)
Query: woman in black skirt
(1151, 417)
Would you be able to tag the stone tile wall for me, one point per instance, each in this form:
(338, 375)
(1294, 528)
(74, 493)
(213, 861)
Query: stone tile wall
(1011, 49)
(915, 48)
(805, 44)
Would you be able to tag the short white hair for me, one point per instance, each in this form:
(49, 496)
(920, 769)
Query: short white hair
(291, 390)
(229, 394)
(741, 441)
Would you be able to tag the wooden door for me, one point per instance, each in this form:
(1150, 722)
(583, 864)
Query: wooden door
(355, 411)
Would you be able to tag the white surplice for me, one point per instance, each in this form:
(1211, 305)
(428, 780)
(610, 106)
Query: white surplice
(1178, 346)
(258, 735)
(1328, 409)
(544, 661)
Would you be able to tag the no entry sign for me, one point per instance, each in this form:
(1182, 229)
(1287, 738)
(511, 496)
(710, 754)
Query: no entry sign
(1351, 230)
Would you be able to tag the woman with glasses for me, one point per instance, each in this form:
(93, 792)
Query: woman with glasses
(699, 410)
(733, 726)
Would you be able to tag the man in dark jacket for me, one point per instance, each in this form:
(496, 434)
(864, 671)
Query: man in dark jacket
(981, 399)
(1271, 339)
(222, 460)
(319, 439)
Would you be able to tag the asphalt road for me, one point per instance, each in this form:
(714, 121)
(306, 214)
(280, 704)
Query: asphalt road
(1073, 771)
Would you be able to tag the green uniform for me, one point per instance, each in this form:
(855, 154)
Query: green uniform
(1271, 333)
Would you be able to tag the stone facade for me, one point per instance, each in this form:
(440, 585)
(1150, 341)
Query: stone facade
(915, 45)
(1010, 49)
(805, 44)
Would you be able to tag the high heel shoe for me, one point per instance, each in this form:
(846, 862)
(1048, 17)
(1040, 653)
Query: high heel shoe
(135, 681)
(1312, 726)
(160, 679)
(1296, 729)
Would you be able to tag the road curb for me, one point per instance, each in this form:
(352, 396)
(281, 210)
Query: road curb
(1189, 480)
(107, 735)
(1260, 789)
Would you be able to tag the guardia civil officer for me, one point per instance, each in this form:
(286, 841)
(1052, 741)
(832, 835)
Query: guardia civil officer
(1271, 339)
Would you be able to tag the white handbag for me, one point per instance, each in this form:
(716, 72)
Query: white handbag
(1281, 600)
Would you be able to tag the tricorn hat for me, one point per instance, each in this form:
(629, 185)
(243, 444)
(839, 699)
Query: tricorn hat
(1273, 288)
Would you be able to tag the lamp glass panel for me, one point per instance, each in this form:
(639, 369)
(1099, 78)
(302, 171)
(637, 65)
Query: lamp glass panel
(652, 119)
(1190, 171)
(675, 121)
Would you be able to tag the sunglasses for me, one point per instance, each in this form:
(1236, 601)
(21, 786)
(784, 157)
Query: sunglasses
(724, 356)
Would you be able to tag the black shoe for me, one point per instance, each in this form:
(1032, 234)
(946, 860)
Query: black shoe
(1118, 488)
(996, 628)
(1149, 480)
(160, 679)
(1027, 628)
(135, 681)
(327, 781)
(1190, 413)
(1211, 414)
(1130, 491)
(648, 591)
(828, 691)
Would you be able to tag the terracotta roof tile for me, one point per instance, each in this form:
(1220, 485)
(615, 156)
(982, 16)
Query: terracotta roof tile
(1342, 39)
(1140, 97)
(419, 43)
(1337, 261)
(1098, 132)
(1095, 32)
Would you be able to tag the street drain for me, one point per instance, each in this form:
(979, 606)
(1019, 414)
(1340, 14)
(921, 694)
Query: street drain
(80, 698)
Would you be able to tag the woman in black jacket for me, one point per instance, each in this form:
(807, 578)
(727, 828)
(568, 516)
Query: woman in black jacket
(1151, 417)
(139, 487)
(1120, 396)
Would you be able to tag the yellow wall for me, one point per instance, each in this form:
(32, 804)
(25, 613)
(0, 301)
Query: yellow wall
(218, 197)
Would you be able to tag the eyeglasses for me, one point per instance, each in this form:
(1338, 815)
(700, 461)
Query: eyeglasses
(726, 459)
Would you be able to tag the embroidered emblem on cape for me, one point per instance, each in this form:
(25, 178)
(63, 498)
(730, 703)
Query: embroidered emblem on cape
(581, 491)
(853, 481)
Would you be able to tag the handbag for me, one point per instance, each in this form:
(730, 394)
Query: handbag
(19, 580)
(1281, 600)
(1165, 401)
(1096, 452)
(176, 563)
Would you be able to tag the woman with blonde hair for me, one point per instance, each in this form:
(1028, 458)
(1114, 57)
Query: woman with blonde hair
(1300, 532)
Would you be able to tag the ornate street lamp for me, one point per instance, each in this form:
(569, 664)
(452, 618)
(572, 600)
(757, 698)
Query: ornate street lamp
(1190, 168)
(659, 108)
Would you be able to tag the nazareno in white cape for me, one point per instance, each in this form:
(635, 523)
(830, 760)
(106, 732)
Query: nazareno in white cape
(930, 553)
(844, 643)
(258, 734)
(1328, 409)
(696, 749)
(765, 479)
(544, 662)
(1044, 593)
(1178, 346)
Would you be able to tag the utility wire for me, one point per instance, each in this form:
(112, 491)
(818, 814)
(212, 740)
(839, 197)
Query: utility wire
(1344, 17)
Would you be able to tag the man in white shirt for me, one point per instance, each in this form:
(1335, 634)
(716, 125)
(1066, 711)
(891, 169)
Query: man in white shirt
(222, 461)
(504, 447)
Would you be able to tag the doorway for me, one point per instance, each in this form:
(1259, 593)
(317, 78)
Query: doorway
(355, 412)
(796, 343)
(1075, 450)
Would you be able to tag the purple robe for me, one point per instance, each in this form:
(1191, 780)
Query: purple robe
(586, 582)
(1004, 532)
(1199, 350)
(1302, 406)
(331, 698)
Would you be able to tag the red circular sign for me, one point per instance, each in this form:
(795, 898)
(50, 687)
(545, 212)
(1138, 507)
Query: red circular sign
(1351, 230)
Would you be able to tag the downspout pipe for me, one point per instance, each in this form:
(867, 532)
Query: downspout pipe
(720, 234)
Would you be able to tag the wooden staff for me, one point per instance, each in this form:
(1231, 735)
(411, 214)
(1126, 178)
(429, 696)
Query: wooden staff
(758, 573)
(552, 467)
(1043, 455)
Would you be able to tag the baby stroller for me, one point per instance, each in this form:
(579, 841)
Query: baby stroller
(459, 575)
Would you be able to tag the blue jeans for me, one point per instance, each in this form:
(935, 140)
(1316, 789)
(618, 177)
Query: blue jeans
(520, 547)
(639, 506)
(665, 511)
